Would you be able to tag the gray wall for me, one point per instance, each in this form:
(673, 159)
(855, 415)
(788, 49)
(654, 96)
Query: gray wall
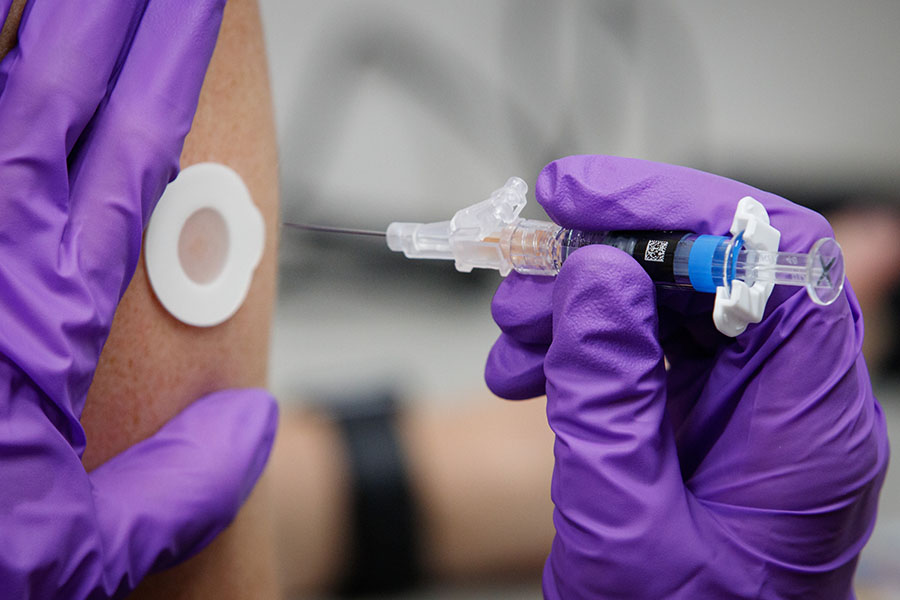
(388, 109)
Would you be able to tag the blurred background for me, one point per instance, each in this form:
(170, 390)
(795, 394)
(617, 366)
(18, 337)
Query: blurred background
(407, 111)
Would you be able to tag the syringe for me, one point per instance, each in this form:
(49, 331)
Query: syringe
(491, 235)
(672, 259)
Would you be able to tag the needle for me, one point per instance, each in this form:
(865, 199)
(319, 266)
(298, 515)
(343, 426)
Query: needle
(326, 229)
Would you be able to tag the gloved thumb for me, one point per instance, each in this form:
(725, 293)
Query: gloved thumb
(165, 498)
(617, 488)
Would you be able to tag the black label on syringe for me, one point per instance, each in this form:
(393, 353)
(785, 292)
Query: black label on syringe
(654, 250)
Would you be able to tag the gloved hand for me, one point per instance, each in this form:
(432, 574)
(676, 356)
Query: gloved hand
(751, 468)
(94, 106)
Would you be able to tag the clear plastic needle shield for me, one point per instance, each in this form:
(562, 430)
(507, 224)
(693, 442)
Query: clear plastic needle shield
(740, 270)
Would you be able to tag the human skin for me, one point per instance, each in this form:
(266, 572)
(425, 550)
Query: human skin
(153, 366)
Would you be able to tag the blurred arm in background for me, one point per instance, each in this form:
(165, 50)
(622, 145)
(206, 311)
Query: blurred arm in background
(480, 478)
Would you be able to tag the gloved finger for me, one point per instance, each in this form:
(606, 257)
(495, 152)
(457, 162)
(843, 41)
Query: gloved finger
(59, 72)
(133, 147)
(514, 370)
(522, 308)
(165, 498)
(620, 500)
(605, 193)
(691, 344)
(52, 83)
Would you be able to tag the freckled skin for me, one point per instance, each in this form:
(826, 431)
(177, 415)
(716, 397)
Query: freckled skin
(153, 366)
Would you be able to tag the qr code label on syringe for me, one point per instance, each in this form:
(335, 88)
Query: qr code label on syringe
(656, 251)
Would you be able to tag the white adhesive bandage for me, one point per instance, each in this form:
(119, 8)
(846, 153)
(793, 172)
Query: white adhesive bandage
(209, 204)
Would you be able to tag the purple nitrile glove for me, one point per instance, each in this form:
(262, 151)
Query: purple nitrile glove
(95, 103)
(751, 469)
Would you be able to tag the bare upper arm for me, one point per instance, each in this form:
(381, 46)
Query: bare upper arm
(152, 363)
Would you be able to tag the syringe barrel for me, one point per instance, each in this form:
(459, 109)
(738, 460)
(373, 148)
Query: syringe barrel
(541, 248)
(704, 263)
(532, 247)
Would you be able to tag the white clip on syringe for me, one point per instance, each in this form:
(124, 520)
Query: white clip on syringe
(741, 270)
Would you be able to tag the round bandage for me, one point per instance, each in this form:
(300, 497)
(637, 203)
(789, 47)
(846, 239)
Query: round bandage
(203, 242)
